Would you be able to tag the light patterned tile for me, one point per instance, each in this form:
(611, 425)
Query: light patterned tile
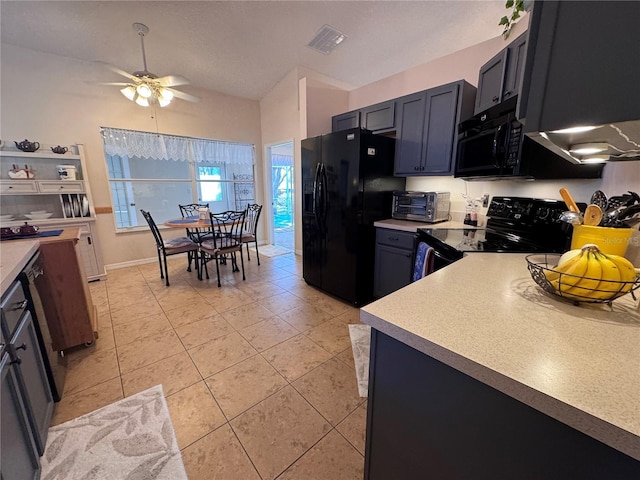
(203, 331)
(245, 315)
(89, 369)
(221, 353)
(75, 405)
(173, 373)
(332, 458)
(148, 350)
(346, 356)
(332, 336)
(122, 296)
(218, 455)
(260, 289)
(145, 307)
(331, 305)
(192, 310)
(305, 317)
(296, 356)
(194, 413)
(281, 303)
(332, 389)
(354, 427)
(225, 298)
(266, 334)
(138, 328)
(350, 316)
(278, 430)
(244, 384)
(177, 297)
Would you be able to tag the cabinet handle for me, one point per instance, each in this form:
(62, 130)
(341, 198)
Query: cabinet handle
(21, 305)
(10, 187)
(89, 240)
(495, 99)
(61, 187)
(507, 93)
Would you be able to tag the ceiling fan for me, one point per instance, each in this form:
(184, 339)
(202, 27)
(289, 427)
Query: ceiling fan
(146, 88)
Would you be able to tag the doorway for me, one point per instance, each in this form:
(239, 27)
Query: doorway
(281, 178)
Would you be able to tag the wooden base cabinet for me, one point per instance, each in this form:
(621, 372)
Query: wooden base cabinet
(426, 420)
(64, 290)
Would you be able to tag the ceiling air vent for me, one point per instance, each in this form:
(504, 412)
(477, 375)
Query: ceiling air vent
(326, 39)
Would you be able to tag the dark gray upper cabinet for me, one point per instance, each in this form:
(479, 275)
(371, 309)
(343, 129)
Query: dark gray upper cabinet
(426, 128)
(582, 65)
(345, 121)
(379, 117)
(500, 77)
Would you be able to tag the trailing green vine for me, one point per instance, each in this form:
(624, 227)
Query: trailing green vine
(509, 21)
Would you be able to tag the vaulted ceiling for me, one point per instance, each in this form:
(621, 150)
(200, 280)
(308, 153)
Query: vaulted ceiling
(243, 48)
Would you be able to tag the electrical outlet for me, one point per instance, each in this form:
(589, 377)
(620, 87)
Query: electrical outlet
(485, 200)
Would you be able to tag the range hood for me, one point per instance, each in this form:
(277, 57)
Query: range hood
(582, 70)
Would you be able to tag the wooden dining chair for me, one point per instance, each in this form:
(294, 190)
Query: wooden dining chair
(250, 232)
(170, 247)
(225, 243)
(195, 234)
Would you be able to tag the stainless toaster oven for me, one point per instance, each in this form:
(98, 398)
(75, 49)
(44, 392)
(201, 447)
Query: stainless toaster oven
(429, 207)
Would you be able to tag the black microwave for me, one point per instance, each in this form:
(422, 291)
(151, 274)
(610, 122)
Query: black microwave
(492, 145)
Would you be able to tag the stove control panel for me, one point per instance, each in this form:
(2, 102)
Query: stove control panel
(526, 211)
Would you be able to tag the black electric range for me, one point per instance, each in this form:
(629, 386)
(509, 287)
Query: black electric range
(514, 225)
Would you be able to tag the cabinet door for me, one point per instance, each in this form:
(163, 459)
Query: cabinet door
(440, 129)
(345, 121)
(409, 131)
(490, 82)
(392, 269)
(379, 117)
(515, 65)
(18, 457)
(33, 376)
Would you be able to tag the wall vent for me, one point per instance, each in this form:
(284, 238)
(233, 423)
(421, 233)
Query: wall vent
(326, 39)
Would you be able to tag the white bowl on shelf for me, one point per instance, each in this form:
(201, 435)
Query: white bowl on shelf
(6, 218)
(36, 212)
(37, 216)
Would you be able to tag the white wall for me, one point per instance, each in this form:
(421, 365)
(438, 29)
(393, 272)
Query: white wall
(50, 99)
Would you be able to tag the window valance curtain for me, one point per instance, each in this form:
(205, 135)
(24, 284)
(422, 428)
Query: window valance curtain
(131, 143)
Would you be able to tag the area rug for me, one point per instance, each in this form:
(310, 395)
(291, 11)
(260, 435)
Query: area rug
(130, 439)
(271, 250)
(360, 346)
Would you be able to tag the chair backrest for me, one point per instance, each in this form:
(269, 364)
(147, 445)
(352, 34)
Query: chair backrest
(192, 209)
(228, 228)
(154, 228)
(252, 217)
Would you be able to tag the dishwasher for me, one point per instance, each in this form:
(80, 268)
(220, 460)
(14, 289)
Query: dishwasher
(55, 362)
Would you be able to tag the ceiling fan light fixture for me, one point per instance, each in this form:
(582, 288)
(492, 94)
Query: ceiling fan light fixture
(129, 91)
(143, 102)
(144, 90)
(164, 97)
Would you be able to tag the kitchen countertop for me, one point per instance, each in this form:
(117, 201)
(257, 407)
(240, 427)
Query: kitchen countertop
(15, 254)
(486, 317)
(411, 226)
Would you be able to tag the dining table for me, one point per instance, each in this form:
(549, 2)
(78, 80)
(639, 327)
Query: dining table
(189, 222)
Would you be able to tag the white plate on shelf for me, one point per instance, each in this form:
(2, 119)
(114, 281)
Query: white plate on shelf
(85, 206)
(67, 209)
(36, 212)
(76, 207)
(37, 216)
(6, 218)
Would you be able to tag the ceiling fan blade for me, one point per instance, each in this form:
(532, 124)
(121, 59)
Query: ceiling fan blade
(172, 80)
(119, 71)
(184, 96)
(119, 84)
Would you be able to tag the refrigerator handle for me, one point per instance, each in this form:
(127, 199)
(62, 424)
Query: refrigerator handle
(316, 191)
(324, 194)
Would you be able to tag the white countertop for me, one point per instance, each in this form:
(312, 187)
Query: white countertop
(486, 317)
(411, 226)
(14, 255)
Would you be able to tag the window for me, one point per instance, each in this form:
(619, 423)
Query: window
(159, 172)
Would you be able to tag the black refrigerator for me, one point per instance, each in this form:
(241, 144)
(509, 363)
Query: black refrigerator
(347, 184)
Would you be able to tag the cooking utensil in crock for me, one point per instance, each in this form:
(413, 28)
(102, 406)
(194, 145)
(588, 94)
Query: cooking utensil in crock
(600, 199)
(568, 199)
(573, 218)
(592, 215)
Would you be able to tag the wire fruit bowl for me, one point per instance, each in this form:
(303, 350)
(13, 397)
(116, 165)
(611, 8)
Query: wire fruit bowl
(541, 265)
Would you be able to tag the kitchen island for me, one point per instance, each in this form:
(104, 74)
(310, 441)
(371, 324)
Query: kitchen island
(478, 373)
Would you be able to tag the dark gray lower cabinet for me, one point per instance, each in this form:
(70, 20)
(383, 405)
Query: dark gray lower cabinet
(393, 261)
(426, 420)
(26, 401)
(19, 459)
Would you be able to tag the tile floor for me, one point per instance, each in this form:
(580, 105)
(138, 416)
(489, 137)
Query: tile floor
(258, 375)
